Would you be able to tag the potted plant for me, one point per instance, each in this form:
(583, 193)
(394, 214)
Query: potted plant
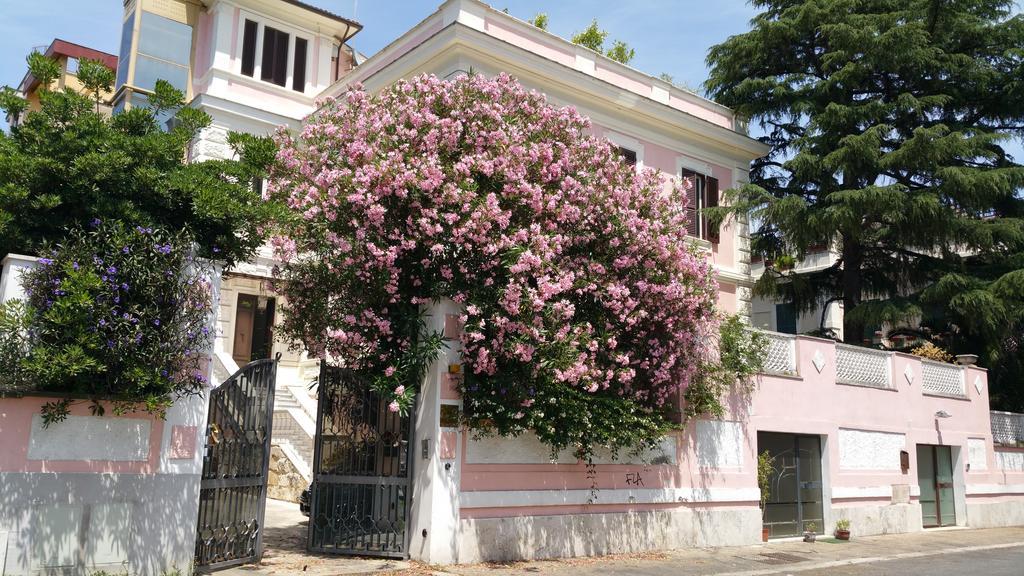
(843, 529)
(810, 532)
(765, 469)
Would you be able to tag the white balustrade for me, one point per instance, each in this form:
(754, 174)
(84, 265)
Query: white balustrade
(942, 379)
(780, 356)
(863, 366)
(1007, 428)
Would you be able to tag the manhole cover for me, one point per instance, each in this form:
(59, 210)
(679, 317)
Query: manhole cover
(775, 558)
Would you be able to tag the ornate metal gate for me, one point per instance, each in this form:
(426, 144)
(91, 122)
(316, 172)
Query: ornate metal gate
(232, 495)
(361, 471)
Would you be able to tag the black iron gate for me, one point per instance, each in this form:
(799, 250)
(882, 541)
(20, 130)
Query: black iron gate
(232, 497)
(361, 471)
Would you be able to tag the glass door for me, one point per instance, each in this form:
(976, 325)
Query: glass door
(935, 480)
(794, 500)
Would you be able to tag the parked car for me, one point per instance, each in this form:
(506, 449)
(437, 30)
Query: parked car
(304, 500)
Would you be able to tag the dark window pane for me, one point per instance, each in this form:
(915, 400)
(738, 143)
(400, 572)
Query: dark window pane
(249, 48)
(299, 69)
(149, 70)
(629, 156)
(124, 55)
(165, 39)
(785, 318)
(274, 65)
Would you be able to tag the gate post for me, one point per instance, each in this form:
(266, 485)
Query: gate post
(437, 451)
(187, 418)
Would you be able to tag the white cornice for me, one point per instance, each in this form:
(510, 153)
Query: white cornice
(532, 32)
(602, 101)
(734, 277)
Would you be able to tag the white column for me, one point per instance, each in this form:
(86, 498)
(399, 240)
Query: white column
(14, 265)
(223, 24)
(435, 488)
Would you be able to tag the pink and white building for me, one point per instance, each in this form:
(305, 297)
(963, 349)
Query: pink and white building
(888, 441)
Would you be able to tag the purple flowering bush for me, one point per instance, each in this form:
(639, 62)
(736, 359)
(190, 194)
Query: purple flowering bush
(587, 310)
(117, 313)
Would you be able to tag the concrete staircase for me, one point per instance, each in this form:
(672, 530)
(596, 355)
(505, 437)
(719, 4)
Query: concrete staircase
(294, 425)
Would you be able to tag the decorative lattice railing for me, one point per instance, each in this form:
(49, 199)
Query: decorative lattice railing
(1007, 428)
(863, 366)
(781, 354)
(943, 379)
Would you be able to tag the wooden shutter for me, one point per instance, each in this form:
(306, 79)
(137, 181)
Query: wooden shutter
(274, 66)
(299, 68)
(249, 48)
(692, 197)
(712, 200)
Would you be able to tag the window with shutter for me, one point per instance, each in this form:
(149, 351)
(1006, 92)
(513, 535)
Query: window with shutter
(299, 66)
(693, 186)
(701, 193)
(249, 48)
(711, 230)
(274, 66)
(629, 156)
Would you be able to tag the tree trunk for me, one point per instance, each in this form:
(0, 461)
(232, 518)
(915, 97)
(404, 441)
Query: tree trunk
(853, 258)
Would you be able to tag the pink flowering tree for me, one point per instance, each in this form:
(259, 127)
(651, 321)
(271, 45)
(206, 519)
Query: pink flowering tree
(587, 312)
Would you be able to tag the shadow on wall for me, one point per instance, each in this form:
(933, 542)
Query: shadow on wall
(78, 523)
(724, 448)
(703, 518)
(81, 523)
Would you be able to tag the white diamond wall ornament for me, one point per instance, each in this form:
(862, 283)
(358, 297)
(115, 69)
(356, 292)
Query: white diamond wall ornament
(908, 373)
(818, 360)
(977, 384)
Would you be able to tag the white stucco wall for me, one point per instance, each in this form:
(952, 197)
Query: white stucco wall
(1012, 461)
(870, 450)
(719, 444)
(90, 438)
(976, 454)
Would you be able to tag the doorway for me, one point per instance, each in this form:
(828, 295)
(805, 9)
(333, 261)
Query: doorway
(795, 500)
(254, 322)
(935, 480)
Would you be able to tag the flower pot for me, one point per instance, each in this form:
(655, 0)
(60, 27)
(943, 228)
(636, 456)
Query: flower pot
(810, 536)
(843, 534)
(967, 359)
(764, 534)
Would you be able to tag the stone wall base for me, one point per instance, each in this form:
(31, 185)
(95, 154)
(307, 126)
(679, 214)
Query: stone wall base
(995, 514)
(872, 520)
(572, 535)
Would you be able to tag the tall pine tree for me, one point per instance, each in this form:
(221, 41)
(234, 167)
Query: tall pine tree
(888, 122)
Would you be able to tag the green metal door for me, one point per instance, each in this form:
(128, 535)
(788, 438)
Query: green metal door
(935, 480)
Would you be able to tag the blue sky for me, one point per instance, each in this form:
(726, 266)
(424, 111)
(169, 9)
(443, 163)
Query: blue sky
(669, 36)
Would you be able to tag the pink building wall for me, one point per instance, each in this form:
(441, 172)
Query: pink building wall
(809, 402)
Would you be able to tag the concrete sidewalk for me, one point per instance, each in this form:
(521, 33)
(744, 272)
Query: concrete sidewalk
(285, 539)
(786, 557)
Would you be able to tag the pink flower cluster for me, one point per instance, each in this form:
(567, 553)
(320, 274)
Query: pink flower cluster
(572, 266)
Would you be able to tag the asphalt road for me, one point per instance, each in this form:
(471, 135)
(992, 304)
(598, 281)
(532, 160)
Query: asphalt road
(999, 562)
